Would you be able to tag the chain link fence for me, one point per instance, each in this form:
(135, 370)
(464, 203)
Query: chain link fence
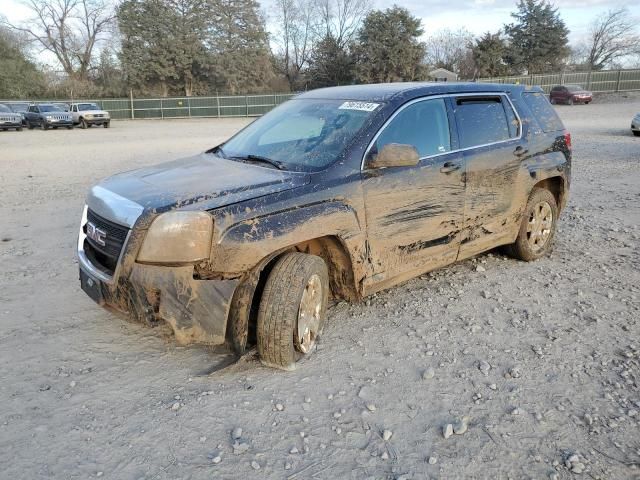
(256, 105)
(601, 81)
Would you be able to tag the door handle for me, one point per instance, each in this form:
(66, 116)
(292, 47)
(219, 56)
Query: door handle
(449, 167)
(520, 150)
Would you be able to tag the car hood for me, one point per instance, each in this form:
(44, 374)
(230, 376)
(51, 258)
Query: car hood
(202, 182)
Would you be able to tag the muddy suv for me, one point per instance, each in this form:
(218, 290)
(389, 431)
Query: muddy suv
(336, 194)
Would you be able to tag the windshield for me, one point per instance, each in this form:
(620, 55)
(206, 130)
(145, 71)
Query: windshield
(302, 134)
(575, 88)
(87, 106)
(4, 108)
(50, 108)
(19, 107)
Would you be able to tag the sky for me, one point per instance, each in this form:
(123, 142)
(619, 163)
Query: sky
(477, 16)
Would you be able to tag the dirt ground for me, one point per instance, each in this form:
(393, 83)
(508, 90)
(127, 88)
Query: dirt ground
(542, 358)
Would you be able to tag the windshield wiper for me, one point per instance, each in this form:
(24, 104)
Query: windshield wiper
(260, 159)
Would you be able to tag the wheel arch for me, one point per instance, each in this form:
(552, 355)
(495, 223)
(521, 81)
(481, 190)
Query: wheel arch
(246, 299)
(556, 185)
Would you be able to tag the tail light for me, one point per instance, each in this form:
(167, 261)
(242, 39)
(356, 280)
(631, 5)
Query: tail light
(567, 139)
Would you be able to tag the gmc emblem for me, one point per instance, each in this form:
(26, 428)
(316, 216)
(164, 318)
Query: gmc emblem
(95, 234)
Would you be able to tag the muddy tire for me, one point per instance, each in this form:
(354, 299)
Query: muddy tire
(538, 227)
(293, 309)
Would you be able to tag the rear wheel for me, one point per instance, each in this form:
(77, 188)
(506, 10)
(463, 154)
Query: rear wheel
(292, 309)
(538, 227)
(18, 129)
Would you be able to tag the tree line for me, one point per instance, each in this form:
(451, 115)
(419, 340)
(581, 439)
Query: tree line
(198, 47)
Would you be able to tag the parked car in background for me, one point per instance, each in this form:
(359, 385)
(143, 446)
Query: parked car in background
(21, 108)
(46, 116)
(570, 94)
(635, 125)
(88, 114)
(340, 192)
(9, 119)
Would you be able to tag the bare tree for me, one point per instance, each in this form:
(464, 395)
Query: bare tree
(451, 50)
(297, 33)
(341, 19)
(612, 37)
(69, 29)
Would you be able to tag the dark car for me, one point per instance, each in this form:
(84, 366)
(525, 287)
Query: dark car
(46, 116)
(570, 94)
(21, 108)
(339, 192)
(9, 120)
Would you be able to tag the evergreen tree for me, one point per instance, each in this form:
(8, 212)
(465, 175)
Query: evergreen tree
(538, 38)
(489, 52)
(19, 77)
(240, 54)
(388, 47)
(331, 64)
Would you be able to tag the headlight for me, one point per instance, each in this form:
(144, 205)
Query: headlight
(48, 117)
(178, 237)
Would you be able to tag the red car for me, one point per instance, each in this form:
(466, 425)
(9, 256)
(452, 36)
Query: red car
(569, 94)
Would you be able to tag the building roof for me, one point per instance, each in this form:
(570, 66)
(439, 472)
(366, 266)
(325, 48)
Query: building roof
(440, 71)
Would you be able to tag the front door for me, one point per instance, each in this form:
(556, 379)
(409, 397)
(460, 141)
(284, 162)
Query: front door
(414, 213)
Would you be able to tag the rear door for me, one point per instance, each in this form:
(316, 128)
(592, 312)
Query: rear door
(490, 135)
(414, 213)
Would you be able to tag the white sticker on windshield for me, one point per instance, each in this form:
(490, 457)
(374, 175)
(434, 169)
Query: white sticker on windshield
(364, 106)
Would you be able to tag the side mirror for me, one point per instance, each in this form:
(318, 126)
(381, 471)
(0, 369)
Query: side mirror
(395, 155)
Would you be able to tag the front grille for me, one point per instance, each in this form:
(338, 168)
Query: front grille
(60, 117)
(7, 118)
(105, 256)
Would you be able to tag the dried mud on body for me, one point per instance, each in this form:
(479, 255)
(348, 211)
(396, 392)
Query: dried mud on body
(529, 370)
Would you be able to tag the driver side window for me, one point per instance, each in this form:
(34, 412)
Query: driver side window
(423, 125)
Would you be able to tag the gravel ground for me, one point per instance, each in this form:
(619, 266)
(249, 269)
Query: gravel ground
(534, 366)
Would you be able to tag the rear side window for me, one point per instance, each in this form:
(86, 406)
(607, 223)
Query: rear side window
(542, 111)
(424, 125)
(484, 120)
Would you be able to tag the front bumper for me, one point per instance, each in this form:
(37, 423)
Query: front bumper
(9, 124)
(97, 121)
(58, 123)
(197, 310)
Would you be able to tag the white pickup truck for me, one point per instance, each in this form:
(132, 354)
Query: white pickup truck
(88, 114)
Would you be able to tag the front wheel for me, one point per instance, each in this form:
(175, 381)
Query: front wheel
(636, 133)
(538, 227)
(292, 309)
(83, 124)
(29, 125)
(107, 124)
(570, 101)
(44, 126)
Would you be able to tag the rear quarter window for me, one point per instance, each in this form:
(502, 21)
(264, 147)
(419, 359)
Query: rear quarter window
(542, 111)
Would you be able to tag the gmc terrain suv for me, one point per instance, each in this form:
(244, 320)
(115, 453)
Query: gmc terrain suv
(337, 193)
